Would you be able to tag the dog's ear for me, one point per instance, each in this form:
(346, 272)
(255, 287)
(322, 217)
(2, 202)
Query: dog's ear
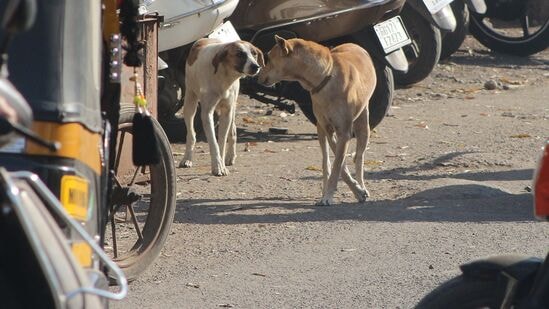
(219, 57)
(260, 58)
(284, 45)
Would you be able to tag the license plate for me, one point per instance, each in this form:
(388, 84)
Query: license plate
(391, 34)
(17, 145)
(436, 5)
(225, 33)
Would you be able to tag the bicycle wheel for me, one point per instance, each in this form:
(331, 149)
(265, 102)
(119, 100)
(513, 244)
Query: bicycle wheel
(142, 203)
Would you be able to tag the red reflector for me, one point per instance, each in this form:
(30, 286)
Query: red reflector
(541, 186)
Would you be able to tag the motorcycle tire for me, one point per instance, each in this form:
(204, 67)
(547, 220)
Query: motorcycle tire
(380, 103)
(427, 39)
(463, 293)
(161, 208)
(451, 41)
(495, 41)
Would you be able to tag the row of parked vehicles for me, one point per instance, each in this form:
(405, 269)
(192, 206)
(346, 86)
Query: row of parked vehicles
(405, 37)
(76, 214)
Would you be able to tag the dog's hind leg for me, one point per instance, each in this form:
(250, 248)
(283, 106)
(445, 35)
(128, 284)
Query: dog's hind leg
(189, 110)
(362, 133)
(359, 192)
(208, 103)
(338, 166)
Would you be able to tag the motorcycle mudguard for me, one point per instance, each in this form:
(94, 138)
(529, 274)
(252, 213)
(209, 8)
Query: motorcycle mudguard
(515, 266)
(397, 60)
(443, 19)
(478, 6)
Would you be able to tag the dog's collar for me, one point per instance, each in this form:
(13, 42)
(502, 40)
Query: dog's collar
(322, 84)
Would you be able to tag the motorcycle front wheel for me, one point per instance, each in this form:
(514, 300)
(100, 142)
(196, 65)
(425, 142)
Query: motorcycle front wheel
(424, 52)
(463, 293)
(520, 36)
(451, 41)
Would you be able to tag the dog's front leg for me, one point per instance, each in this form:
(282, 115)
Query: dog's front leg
(230, 155)
(189, 110)
(339, 161)
(226, 111)
(208, 105)
(326, 166)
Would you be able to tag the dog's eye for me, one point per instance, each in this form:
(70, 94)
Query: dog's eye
(241, 54)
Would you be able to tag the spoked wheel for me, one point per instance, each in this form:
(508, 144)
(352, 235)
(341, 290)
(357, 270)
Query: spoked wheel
(513, 27)
(143, 202)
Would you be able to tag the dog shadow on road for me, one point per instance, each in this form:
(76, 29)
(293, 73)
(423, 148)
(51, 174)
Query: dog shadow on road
(420, 207)
(460, 197)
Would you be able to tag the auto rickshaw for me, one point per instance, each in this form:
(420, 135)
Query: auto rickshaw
(67, 66)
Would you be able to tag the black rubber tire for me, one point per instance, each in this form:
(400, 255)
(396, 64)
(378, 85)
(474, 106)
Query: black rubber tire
(463, 293)
(513, 46)
(383, 95)
(451, 41)
(429, 42)
(162, 208)
(381, 100)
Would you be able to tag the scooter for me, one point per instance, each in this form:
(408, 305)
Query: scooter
(375, 25)
(451, 41)
(507, 281)
(426, 21)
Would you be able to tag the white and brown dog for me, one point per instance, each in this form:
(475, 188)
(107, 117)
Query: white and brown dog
(341, 82)
(213, 70)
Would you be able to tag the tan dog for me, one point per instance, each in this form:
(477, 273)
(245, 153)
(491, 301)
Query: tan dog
(341, 82)
(213, 70)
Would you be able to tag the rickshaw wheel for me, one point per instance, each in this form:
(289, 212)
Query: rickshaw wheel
(143, 202)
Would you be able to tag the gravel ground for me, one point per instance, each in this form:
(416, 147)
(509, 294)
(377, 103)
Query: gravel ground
(449, 172)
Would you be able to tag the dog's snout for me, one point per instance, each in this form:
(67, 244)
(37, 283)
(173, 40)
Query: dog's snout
(255, 68)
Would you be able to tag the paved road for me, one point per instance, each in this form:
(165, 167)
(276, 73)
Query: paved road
(448, 180)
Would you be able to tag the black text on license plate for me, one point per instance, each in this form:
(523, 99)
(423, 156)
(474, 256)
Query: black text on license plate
(391, 34)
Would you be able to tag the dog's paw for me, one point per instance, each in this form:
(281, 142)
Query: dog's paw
(186, 163)
(362, 196)
(324, 202)
(220, 171)
(229, 160)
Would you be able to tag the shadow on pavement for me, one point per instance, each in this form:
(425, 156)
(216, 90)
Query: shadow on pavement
(449, 202)
(495, 60)
(454, 203)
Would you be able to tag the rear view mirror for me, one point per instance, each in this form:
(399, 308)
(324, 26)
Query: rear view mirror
(18, 16)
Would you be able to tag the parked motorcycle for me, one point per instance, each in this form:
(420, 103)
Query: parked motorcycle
(51, 255)
(424, 19)
(515, 27)
(506, 281)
